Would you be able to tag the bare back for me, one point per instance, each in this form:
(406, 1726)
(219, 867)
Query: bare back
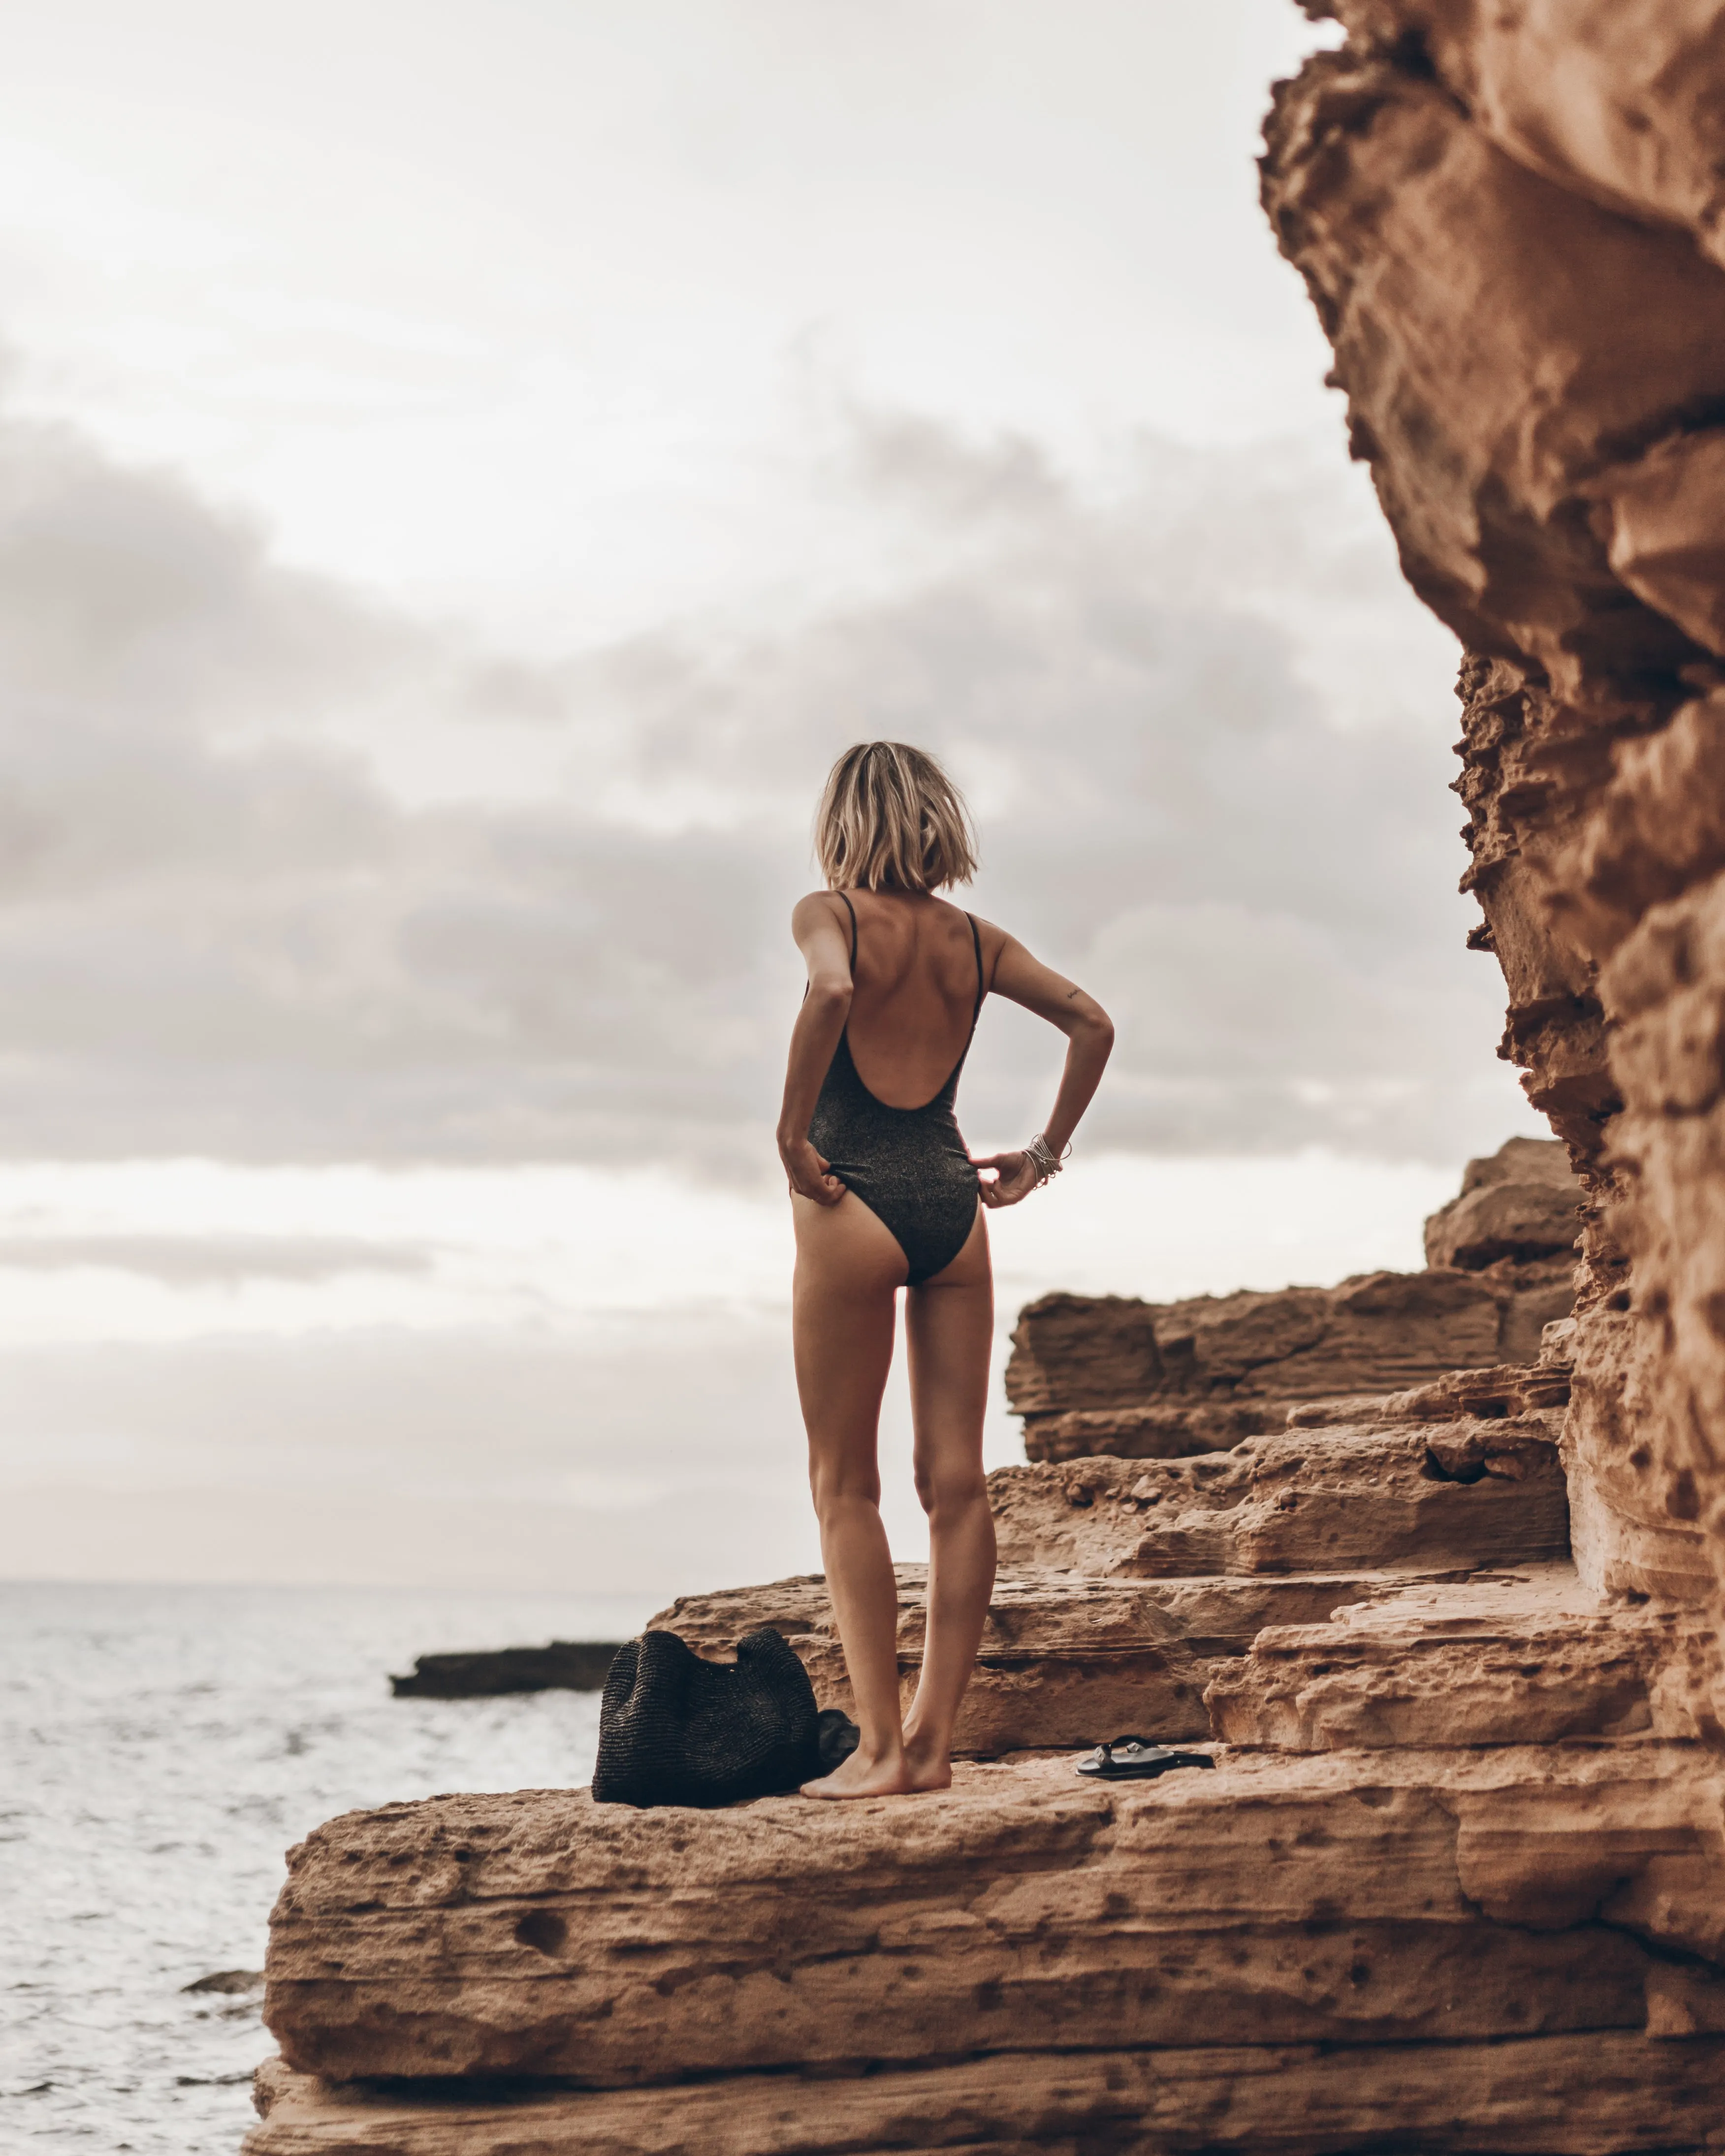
(914, 993)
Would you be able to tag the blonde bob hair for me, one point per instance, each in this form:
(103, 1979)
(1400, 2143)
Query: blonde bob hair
(891, 819)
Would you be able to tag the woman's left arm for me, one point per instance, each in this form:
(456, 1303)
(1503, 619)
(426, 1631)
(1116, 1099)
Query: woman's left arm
(815, 1037)
(1089, 1039)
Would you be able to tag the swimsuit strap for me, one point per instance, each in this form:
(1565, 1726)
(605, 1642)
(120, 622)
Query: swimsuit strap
(976, 944)
(851, 911)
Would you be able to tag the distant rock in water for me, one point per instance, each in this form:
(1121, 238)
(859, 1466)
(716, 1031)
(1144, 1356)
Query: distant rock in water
(230, 1981)
(565, 1666)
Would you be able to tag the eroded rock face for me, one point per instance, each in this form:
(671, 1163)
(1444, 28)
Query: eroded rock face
(1529, 1657)
(1520, 1203)
(1094, 1374)
(1413, 1495)
(1509, 222)
(1023, 1912)
(1614, 99)
(1065, 1655)
(1491, 1395)
(1538, 2095)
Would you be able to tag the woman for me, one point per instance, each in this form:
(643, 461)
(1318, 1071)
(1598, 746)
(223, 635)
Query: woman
(885, 1196)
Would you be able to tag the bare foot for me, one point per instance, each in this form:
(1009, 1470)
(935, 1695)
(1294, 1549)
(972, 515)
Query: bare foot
(857, 1777)
(927, 1766)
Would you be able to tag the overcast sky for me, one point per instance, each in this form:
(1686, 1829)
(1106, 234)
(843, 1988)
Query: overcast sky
(464, 472)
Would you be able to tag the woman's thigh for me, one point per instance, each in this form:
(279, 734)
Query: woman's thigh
(850, 1268)
(949, 1326)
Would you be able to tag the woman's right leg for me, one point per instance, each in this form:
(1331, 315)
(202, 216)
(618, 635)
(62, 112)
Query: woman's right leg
(949, 1328)
(850, 1268)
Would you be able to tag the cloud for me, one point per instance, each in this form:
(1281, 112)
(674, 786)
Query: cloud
(199, 1260)
(1204, 724)
(385, 1457)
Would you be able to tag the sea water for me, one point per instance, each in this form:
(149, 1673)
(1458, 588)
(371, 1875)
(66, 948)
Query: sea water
(160, 1749)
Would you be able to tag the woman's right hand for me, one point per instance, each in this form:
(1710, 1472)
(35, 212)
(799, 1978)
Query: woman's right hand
(1014, 1177)
(808, 1173)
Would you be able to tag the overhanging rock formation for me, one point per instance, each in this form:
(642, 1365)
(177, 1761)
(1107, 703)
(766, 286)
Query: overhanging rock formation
(1509, 220)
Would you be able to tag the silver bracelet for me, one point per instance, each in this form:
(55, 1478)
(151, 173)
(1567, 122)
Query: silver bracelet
(1042, 1157)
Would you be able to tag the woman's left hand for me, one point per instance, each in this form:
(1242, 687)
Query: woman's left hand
(808, 1175)
(1014, 1178)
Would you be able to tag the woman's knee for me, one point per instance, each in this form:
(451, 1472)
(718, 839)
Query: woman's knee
(835, 1485)
(945, 1492)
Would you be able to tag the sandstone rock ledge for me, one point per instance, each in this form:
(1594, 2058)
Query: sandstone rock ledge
(1582, 2093)
(1458, 1843)
(1066, 1657)
(1025, 1962)
(1094, 1374)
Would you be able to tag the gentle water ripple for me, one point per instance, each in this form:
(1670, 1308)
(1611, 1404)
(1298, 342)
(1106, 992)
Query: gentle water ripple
(160, 1748)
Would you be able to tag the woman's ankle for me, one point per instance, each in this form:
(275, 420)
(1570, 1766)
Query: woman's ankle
(877, 1747)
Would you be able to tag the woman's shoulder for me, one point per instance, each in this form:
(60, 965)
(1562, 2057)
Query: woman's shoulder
(815, 906)
(991, 941)
(989, 933)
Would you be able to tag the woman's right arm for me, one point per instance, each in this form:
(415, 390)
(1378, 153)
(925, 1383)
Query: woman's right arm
(1090, 1038)
(826, 952)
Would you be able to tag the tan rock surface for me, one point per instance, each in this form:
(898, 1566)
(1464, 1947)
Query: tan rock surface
(1368, 1896)
(1497, 212)
(1500, 1658)
(1067, 1659)
(1505, 343)
(1162, 1429)
(1423, 1495)
(1591, 2095)
(1094, 1375)
(1504, 1390)
(1614, 99)
(1521, 1203)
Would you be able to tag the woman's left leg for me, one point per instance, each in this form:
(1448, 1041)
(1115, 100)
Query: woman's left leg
(949, 1325)
(849, 1270)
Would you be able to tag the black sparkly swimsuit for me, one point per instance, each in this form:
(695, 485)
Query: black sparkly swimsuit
(909, 1166)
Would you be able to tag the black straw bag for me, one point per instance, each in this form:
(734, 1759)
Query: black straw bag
(677, 1730)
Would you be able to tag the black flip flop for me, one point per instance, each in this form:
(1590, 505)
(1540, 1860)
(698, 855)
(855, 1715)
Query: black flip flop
(1137, 1759)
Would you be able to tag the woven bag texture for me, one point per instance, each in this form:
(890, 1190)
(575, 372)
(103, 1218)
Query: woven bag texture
(677, 1730)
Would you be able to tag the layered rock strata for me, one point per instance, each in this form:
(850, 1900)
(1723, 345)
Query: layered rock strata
(1064, 1655)
(1096, 1374)
(1521, 1203)
(1018, 1927)
(1527, 1657)
(1457, 1820)
(1508, 220)
(1589, 2093)
(1126, 1586)
(1415, 1495)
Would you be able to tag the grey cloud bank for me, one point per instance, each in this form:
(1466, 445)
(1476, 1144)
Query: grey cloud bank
(637, 1456)
(1205, 729)
(201, 1260)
